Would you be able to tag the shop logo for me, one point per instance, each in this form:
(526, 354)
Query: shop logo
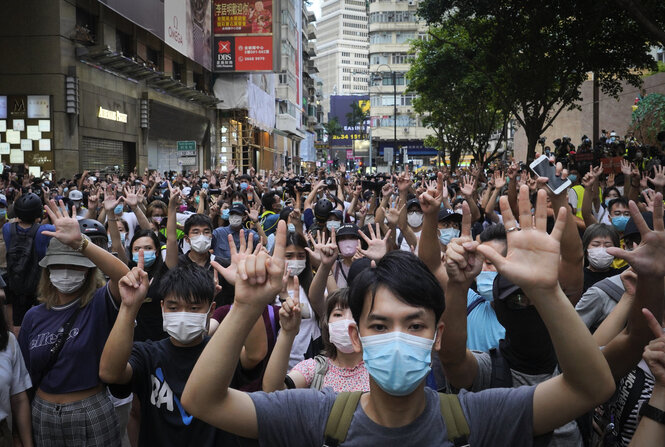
(111, 115)
(174, 33)
(19, 106)
(223, 46)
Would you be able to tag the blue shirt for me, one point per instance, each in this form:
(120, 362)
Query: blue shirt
(41, 241)
(220, 240)
(483, 330)
(269, 223)
(308, 217)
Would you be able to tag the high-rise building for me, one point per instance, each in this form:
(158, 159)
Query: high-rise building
(342, 47)
(393, 24)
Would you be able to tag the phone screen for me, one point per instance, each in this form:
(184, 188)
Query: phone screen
(544, 168)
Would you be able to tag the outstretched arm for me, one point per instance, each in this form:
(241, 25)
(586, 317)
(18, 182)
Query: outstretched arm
(207, 395)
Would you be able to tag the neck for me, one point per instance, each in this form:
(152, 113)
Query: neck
(347, 261)
(348, 361)
(64, 299)
(393, 411)
(199, 258)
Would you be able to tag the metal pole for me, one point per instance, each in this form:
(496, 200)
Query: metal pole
(394, 76)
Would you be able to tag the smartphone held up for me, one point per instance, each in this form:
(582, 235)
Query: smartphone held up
(543, 167)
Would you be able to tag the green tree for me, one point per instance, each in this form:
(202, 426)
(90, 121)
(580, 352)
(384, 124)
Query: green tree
(332, 129)
(454, 101)
(357, 118)
(649, 119)
(534, 56)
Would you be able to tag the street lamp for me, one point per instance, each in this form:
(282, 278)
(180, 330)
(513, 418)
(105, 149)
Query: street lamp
(394, 79)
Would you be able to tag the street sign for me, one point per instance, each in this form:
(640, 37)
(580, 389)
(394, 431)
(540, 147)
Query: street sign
(186, 153)
(186, 146)
(186, 161)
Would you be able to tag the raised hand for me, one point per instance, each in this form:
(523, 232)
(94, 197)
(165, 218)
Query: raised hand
(377, 247)
(430, 200)
(259, 277)
(134, 285)
(647, 259)
(393, 213)
(610, 179)
(175, 196)
(462, 262)
(654, 352)
(67, 228)
(533, 255)
(499, 179)
(237, 255)
(626, 168)
(404, 181)
(644, 181)
(93, 198)
(658, 179)
(324, 251)
(649, 199)
(289, 314)
(387, 189)
(131, 198)
(468, 186)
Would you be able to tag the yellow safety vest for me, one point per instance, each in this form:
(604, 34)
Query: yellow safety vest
(579, 190)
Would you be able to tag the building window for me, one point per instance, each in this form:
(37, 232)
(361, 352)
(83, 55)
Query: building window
(123, 43)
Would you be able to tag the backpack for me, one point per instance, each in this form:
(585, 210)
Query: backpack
(611, 288)
(22, 263)
(341, 414)
(319, 372)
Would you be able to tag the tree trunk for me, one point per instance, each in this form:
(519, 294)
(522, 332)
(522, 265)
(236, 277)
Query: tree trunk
(532, 135)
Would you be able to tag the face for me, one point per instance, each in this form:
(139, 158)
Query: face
(158, 212)
(601, 241)
(277, 204)
(121, 227)
(389, 314)
(499, 247)
(339, 314)
(294, 253)
(448, 224)
(68, 267)
(172, 304)
(199, 230)
(144, 243)
(619, 209)
(612, 195)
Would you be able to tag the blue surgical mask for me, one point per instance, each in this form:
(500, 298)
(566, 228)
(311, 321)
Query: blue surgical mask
(608, 200)
(291, 228)
(447, 234)
(118, 209)
(620, 222)
(204, 186)
(65, 190)
(197, 199)
(243, 185)
(122, 240)
(572, 177)
(149, 258)
(225, 214)
(398, 362)
(485, 284)
(3, 213)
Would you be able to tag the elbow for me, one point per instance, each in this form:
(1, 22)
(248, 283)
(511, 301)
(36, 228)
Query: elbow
(253, 357)
(106, 374)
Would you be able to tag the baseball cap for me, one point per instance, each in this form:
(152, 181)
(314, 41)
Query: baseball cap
(448, 214)
(347, 230)
(3, 199)
(75, 194)
(238, 208)
(412, 202)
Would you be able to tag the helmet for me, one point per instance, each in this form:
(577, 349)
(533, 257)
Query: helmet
(95, 231)
(322, 209)
(28, 207)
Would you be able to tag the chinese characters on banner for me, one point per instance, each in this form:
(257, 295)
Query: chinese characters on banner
(243, 35)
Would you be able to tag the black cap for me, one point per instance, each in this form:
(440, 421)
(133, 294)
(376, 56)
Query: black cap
(238, 209)
(322, 209)
(503, 288)
(631, 227)
(412, 202)
(448, 214)
(347, 230)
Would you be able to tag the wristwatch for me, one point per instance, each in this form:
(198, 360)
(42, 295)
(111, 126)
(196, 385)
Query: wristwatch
(653, 413)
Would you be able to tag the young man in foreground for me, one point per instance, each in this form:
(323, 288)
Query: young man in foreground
(397, 325)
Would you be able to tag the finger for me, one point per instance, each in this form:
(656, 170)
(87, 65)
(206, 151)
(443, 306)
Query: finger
(652, 322)
(639, 220)
(541, 210)
(495, 258)
(250, 268)
(280, 241)
(508, 218)
(232, 245)
(296, 290)
(371, 232)
(242, 270)
(621, 254)
(560, 224)
(141, 263)
(260, 267)
(243, 242)
(250, 242)
(363, 236)
(524, 204)
(333, 236)
(658, 224)
(466, 219)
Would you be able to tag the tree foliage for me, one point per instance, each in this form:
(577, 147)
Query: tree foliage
(534, 56)
(455, 102)
(332, 129)
(649, 119)
(357, 118)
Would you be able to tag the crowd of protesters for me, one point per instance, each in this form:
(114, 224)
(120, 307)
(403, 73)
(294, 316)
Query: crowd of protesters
(444, 307)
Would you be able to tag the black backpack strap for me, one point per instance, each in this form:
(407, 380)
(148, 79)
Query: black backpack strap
(501, 375)
(340, 418)
(319, 372)
(474, 304)
(456, 424)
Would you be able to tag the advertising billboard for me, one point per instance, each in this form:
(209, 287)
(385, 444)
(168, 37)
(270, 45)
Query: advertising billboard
(184, 25)
(243, 33)
(341, 108)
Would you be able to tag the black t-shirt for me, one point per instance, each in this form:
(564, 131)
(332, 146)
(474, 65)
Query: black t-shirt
(591, 278)
(149, 318)
(159, 373)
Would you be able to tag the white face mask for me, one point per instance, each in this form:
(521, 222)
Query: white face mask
(339, 335)
(67, 280)
(599, 258)
(235, 220)
(185, 327)
(414, 219)
(200, 243)
(296, 266)
(333, 224)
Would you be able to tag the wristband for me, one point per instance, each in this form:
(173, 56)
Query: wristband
(653, 413)
(84, 243)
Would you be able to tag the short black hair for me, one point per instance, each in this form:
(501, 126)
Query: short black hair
(197, 220)
(619, 200)
(496, 232)
(406, 276)
(268, 199)
(189, 282)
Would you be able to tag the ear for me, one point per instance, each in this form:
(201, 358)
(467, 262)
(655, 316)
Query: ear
(354, 334)
(439, 334)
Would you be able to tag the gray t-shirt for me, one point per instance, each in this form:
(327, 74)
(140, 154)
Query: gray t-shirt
(595, 305)
(566, 436)
(497, 417)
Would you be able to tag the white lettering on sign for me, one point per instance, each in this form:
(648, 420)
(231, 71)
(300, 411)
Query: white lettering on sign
(112, 115)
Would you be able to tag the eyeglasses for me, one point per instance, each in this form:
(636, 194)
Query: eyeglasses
(517, 301)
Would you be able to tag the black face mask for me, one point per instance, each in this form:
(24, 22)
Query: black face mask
(527, 347)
